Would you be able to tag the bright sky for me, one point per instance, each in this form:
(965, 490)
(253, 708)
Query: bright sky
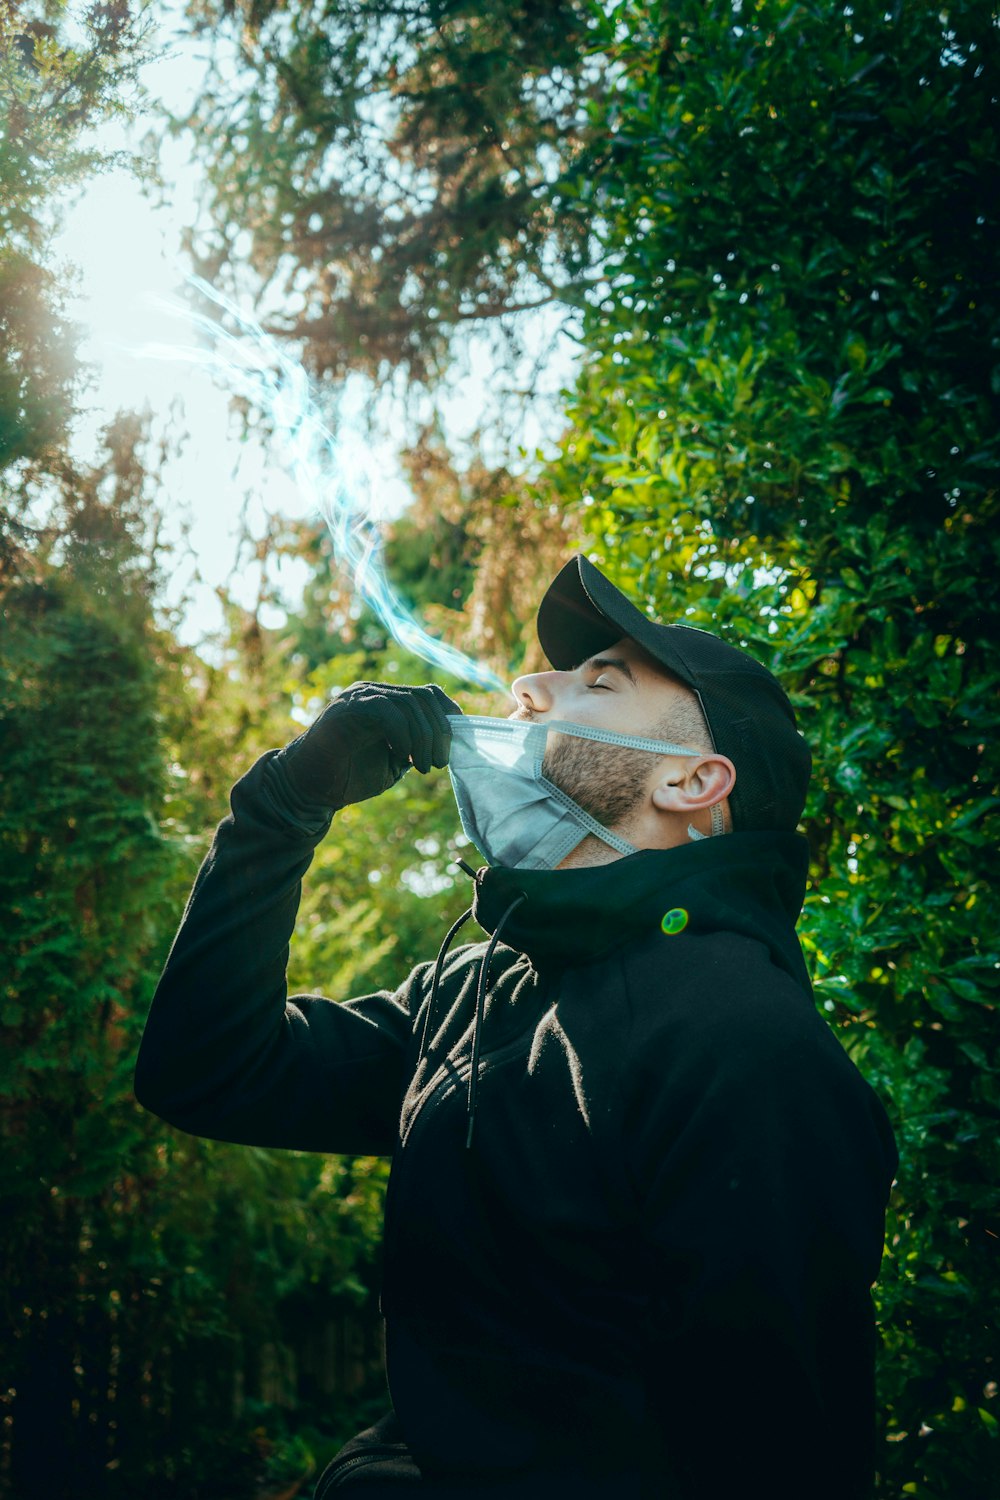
(127, 254)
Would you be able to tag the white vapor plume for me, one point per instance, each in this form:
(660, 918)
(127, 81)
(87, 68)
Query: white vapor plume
(327, 464)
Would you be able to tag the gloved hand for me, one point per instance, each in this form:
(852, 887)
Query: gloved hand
(366, 739)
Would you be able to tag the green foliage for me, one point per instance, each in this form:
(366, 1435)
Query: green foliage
(82, 869)
(786, 429)
(80, 848)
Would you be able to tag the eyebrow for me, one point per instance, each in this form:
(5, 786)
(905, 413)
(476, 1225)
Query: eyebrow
(618, 662)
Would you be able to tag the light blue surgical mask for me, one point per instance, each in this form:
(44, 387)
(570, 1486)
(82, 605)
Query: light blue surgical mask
(509, 810)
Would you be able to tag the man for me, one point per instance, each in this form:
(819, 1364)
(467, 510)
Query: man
(638, 1189)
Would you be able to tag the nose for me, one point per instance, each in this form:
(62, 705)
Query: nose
(534, 691)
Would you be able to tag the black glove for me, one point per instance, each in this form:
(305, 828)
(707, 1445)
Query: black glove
(365, 740)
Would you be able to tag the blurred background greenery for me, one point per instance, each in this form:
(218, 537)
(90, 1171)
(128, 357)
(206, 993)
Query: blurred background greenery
(771, 230)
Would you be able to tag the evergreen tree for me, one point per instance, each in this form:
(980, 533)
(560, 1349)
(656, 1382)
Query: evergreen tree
(393, 167)
(83, 869)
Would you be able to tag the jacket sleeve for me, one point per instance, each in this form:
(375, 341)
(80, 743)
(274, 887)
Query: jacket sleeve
(224, 1053)
(762, 1163)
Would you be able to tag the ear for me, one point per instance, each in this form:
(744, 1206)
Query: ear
(690, 785)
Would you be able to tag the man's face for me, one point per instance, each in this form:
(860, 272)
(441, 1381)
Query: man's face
(623, 690)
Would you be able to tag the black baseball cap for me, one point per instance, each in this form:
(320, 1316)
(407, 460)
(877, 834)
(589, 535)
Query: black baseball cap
(747, 711)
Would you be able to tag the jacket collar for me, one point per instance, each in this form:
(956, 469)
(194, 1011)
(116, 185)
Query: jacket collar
(748, 883)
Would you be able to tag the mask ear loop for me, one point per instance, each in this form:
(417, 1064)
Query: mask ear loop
(718, 825)
(715, 811)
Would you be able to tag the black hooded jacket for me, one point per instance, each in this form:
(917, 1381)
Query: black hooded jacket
(648, 1271)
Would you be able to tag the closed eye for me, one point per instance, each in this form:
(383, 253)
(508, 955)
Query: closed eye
(602, 664)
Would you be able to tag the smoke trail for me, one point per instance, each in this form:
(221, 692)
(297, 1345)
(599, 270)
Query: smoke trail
(321, 462)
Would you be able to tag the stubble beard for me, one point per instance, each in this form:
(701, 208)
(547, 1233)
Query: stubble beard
(607, 781)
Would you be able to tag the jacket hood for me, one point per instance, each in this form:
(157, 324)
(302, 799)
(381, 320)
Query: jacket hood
(748, 883)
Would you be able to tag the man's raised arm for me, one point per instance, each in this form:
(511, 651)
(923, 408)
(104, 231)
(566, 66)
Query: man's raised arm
(225, 1054)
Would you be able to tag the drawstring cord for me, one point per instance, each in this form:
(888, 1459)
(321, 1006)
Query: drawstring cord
(484, 974)
(484, 971)
(438, 966)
